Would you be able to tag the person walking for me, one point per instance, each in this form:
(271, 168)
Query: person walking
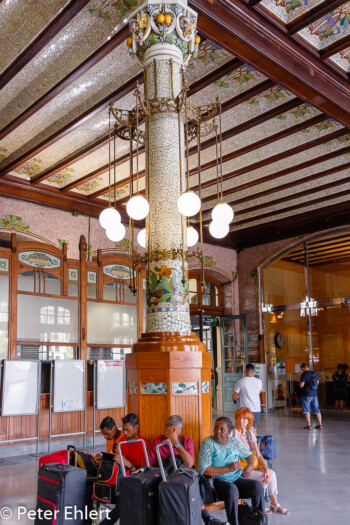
(309, 381)
(248, 390)
(340, 380)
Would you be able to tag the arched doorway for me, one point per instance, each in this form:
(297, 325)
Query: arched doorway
(305, 312)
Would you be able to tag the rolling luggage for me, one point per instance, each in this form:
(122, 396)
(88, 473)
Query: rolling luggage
(179, 496)
(268, 446)
(138, 494)
(61, 494)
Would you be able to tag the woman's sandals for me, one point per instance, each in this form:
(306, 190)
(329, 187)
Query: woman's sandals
(278, 508)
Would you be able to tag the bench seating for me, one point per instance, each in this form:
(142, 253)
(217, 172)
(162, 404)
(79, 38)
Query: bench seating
(218, 505)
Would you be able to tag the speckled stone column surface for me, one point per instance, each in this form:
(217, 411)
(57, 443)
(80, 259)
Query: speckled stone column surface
(163, 38)
(167, 301)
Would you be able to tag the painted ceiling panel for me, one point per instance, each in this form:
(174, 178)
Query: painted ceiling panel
(328, 29)
(230, 85)
(342, 59)
(20, 23)
(281, 211)
(290, 162)
(276, 188)
(73, 44)
(288, 10)
(265, 152)
(109, 74)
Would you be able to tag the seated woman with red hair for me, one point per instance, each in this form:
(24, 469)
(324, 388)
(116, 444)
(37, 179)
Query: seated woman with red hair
(267, 477)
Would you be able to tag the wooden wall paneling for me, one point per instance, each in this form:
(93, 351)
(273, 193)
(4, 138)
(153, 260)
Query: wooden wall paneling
(99, 275)
(64, 270)
(13, 300)
(83, 300)
(189, 407)
(156, 406)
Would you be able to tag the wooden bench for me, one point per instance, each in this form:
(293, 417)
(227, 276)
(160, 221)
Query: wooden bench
(218, 505)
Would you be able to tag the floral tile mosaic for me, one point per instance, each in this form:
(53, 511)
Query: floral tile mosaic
(342, 59)
(4, 264)
(154, 388)
(328, 29)
(205, 387)
(132, 388)
(185, 388)
(288, 10)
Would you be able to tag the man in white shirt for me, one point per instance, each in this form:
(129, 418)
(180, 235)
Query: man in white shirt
(248, 390)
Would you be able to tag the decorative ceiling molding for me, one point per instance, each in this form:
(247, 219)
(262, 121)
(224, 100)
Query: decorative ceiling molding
(42, 39)
(241, 31)
(312, 15)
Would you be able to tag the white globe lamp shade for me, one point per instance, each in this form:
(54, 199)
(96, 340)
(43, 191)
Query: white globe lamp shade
(141, 238)
(116, 233)
(222, 213)
(218, 229)
(188, 204)
(137, 207)
(192, 236)
(108, 217)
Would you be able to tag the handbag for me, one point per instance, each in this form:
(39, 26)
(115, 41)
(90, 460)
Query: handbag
(207, 489)
(248, 515)
(243, 462)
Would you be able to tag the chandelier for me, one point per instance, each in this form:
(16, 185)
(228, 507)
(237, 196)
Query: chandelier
(199, 121)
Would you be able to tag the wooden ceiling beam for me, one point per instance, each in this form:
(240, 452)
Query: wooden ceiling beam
(88, 63)
(75, 123)
(281, 187)
(269, 160)
(293, 197)
(241, 31)
(288, 228)
(294, 207)
(80, 154)
(334, 48)
(256, 121)
(43, 38)
(314, 14)
(226, 106)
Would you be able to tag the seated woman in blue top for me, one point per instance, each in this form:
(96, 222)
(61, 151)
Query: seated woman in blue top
(219, 456)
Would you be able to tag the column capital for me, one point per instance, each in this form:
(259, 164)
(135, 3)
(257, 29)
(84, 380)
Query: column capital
(156, 23)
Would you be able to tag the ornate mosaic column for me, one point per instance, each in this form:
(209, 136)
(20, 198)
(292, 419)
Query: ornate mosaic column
(169, 370)
(163, 38)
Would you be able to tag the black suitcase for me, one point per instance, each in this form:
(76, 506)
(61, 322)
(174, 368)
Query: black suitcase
(62, 494)
(179, 496)
(138, 492)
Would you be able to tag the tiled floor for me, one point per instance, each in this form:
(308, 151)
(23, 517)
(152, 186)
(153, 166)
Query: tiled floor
(312, 469)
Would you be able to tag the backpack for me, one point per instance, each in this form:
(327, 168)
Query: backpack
(313, 381)
(267, 446)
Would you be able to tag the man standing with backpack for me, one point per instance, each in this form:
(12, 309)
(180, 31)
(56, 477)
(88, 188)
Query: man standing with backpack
(309, 381)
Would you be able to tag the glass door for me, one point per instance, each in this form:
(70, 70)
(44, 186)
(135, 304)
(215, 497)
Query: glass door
(234, 356)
